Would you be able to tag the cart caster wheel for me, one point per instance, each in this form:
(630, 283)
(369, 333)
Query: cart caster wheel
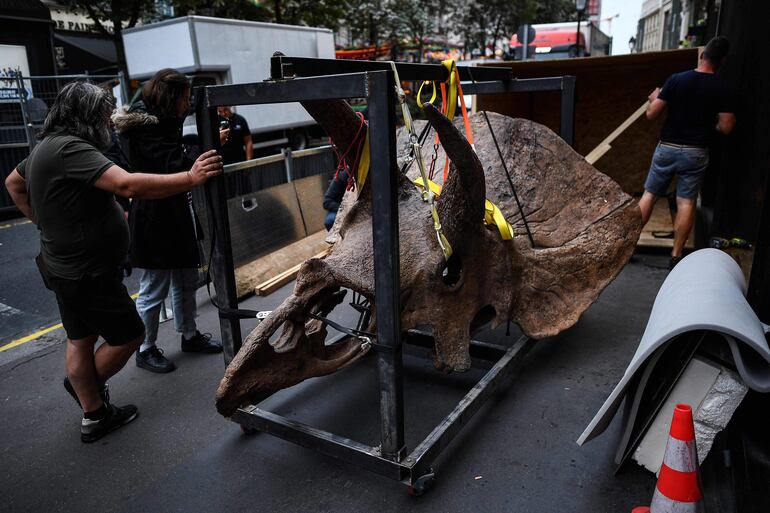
(422, 483)
(247, 430)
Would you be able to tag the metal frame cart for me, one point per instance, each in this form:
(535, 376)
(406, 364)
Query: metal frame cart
(298, 79)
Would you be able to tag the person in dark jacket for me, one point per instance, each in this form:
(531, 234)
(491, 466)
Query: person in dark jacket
(164, 233)
(333, 197)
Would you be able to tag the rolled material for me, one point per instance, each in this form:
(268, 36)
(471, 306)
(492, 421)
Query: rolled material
(705, 291)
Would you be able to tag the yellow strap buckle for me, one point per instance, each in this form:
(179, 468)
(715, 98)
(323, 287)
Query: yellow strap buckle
(432, 96)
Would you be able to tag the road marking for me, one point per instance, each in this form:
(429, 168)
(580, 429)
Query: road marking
(7, 311)
(11, 225)
(29, 338)
(37, 334)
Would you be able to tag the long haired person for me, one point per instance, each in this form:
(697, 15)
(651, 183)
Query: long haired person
(68, 188)
(164, 232)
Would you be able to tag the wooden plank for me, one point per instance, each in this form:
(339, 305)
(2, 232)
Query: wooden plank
(661, 222)
(604, 146)
(276, 282)
(248, 276)
(599, 108)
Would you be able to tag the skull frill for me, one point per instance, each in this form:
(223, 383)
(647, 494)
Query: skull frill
(584, 226)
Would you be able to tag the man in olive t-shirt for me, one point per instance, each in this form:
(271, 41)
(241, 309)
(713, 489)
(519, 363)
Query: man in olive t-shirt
(67, 187)
(83, 231)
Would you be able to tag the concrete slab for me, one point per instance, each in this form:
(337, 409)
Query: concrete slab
(180, 455)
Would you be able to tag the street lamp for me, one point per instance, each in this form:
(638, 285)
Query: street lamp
(580, 6)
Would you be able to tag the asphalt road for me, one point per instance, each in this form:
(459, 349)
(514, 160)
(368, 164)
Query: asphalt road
(26, 306)
(518, 454)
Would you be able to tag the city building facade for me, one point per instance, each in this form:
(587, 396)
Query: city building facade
(667, 24)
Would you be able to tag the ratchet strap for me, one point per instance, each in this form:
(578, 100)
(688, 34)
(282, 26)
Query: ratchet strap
(492, 214)
(427, 195)
(364, 336)
(449, 98)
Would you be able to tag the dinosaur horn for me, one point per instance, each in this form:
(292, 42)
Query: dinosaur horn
(461, 206)
(337, 119)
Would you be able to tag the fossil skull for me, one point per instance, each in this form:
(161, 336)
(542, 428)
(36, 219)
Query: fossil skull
(584, 227)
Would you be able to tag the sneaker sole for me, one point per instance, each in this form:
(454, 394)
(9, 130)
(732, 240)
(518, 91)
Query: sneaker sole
(203, 351)
(91, 438)
(157, 370)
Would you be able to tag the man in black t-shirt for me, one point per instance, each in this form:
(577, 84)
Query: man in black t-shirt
(238, 146)
(699, 106)
(68, 188)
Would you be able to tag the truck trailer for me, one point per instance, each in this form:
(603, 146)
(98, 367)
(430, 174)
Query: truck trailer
(214, 51)
(558, 41)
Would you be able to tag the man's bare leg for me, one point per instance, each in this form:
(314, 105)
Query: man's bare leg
(81, 372)
(110, 359)
(683, 222)
(88, 372)
(646, 203)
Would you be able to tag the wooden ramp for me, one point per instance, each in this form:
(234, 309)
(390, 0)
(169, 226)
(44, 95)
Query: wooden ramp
(278, 268)
(659, 231)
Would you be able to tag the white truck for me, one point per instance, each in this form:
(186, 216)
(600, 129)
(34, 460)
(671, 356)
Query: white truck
(223, 51)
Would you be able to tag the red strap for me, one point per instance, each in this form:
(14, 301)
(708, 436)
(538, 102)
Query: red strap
(342, 159)
(466, 121)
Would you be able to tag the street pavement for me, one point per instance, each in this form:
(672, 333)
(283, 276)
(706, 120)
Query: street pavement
(517, 454)
(26, 306)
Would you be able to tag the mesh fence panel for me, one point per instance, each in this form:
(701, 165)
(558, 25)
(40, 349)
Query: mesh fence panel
(265, 211)
(38, 94)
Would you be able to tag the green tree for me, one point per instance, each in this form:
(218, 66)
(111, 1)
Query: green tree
(482, 23)
(122, 14)
(366, 20)
(413, 22)
(235, 9)
(312, 13)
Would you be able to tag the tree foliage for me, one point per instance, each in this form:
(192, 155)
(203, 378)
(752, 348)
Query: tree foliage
(121, 13)
(235, 9)
(477, 24)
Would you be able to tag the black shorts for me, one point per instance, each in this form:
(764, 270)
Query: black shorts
(97, 305)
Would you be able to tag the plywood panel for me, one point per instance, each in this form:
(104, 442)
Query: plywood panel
(608, 90)
(250, 275)
(310, 194)
(659, 231)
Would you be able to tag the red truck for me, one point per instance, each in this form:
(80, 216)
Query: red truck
(558, 41)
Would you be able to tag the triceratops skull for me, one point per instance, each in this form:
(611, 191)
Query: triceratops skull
(584, 227)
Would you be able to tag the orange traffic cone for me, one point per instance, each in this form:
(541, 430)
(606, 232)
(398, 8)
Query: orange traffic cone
(678, 489)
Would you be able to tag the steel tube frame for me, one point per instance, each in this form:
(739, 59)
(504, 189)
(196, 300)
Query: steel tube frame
(565, 84)
(374, 82)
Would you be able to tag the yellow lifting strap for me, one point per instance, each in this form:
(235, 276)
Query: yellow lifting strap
(451, 107)
(363, 165)
(427, 195)
(492, 214)
(419, 94)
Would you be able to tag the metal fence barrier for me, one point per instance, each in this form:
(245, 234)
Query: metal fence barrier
(24, 104)
(272, 201)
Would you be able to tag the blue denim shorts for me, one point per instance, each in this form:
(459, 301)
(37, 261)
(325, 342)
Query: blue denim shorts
(687, 163)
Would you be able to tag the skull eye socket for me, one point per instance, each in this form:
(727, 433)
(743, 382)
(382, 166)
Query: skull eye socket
(453, 270)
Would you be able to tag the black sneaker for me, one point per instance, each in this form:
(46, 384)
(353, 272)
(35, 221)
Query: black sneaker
(201, 343)
(673, 261)
(152, 359)
(93, 430)
(104, 392)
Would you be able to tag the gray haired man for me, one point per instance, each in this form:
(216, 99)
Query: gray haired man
(67, 187)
